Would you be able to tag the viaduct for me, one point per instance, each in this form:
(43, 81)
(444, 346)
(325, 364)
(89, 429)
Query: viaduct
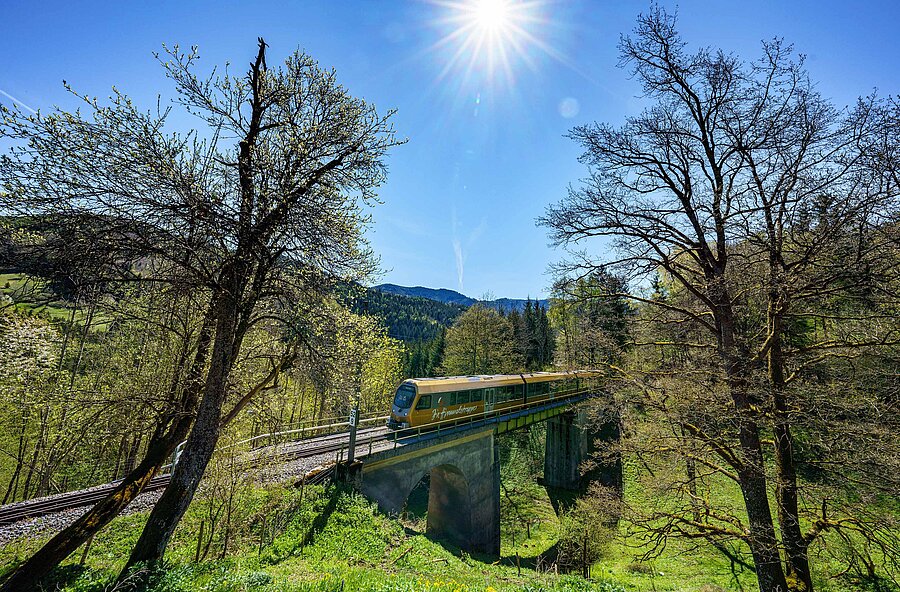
(464, 467)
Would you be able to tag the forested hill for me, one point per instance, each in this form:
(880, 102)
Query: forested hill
(410, 318)
(452, 297)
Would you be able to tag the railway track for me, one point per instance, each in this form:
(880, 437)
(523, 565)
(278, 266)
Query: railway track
(321, 445)
(66, 501)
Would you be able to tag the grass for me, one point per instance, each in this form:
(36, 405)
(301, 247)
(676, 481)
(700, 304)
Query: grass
(30, 295)
(324, 540)
(333, 540)
(681, 567)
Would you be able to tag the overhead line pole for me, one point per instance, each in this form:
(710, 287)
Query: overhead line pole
(354, 413)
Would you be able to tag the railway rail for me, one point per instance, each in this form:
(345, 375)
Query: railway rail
(319, 446)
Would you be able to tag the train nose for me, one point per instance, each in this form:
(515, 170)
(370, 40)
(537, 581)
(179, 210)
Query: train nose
(397, 423)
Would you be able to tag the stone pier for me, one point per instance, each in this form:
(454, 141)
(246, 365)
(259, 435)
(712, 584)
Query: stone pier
(567, 447)
(574, 437)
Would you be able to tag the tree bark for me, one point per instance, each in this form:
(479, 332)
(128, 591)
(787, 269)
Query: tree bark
(763, 543)
(204, 435)
(28, 575)
(235, 297)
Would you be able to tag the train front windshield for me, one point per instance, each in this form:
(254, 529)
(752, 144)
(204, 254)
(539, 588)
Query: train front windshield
(405, 395)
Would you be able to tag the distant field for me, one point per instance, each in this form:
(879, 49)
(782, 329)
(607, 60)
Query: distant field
(29, 294)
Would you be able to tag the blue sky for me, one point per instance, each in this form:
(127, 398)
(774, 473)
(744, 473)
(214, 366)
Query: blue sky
(486, 151)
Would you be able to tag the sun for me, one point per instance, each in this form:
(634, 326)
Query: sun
(489, 39)
(492, 15)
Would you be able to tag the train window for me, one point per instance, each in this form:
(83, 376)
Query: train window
(462, 397)
(476, 396)
(405, 395)
(517, 391)
(424, 402)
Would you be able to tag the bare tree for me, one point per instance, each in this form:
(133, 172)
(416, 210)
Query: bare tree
(740, 184)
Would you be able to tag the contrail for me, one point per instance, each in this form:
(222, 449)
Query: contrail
(460, 251)
(457, 248)
(15, 100)
(460, 262)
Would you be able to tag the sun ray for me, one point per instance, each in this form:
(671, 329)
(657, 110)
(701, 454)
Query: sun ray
(485, 40)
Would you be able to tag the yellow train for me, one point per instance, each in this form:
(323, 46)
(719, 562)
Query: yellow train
(430, 401)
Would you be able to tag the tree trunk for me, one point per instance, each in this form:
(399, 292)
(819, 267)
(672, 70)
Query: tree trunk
(133, 452)
(201, 442)
(13, 487)
(120, 452)
(795, 545)
(751, 473)
(233, 300)
(763, 543)
(38, 446)
(29, 574)
(84, 335)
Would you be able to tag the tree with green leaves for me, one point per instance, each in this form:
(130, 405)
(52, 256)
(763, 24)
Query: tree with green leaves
(263, 206)
(588, 527)
(533, 335)
(480, 342)
(590, 316)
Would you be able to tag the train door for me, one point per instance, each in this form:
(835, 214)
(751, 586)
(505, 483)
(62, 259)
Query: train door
(489, 398)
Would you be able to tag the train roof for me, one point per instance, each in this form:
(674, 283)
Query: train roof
(462, 383)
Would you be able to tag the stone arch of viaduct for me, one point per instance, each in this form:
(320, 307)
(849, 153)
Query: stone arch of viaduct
(464, 494)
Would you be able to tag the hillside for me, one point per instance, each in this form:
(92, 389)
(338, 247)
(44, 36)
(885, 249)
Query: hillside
(411, 318)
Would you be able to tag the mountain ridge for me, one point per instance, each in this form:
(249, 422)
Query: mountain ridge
(448, 296)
